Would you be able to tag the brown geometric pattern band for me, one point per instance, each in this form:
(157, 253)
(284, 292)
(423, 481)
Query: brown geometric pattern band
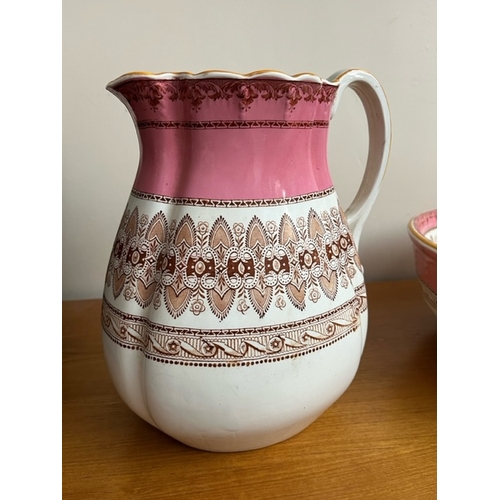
(233, 347)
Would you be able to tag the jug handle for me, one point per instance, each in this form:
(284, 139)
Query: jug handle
(377, 112)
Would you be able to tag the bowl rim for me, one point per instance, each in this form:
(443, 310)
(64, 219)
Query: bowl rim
(417, 234)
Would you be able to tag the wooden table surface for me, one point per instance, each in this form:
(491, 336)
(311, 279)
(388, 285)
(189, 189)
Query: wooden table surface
(378, 441)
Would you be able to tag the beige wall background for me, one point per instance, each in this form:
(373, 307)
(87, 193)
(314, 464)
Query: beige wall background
(393, 39)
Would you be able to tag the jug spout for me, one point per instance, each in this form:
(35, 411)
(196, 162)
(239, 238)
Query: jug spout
(262, 135)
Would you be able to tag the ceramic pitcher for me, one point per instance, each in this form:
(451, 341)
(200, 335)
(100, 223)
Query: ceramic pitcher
(234, 310)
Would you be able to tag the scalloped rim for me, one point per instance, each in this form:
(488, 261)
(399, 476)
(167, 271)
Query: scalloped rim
(419, 236)
(187, 75)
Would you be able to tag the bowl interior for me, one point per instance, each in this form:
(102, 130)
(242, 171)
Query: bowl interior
(424, 227)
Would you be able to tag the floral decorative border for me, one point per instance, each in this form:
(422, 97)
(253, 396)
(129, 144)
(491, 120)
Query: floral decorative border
(196, 92)
(226, 265)
(234, 347)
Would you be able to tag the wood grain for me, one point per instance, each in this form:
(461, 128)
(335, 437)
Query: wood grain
(378, 441)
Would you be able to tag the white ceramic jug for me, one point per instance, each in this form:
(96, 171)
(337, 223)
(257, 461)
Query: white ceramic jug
(235, 309)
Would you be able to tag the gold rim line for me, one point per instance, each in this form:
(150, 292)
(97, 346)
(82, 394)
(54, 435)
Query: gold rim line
(216, 73)
(413, 232)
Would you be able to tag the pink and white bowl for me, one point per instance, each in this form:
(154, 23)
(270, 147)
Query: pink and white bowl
(423, 233)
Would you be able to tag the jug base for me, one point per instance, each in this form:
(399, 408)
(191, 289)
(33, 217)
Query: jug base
(235, 409)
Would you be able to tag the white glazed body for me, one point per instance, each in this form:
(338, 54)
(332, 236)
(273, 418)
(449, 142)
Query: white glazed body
(236, 408)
